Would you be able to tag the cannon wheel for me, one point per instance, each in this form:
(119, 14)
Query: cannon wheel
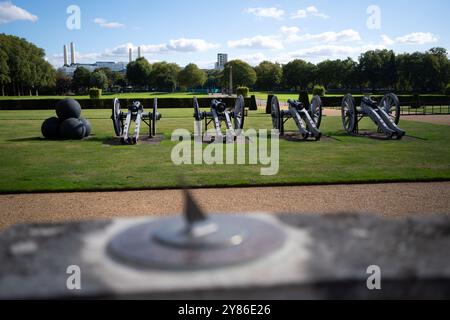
(117, 118)
(276, 113)
(391, 105)
(154, 116)
(239, 113)
(316, 110)
(349, 113)
(197, 113)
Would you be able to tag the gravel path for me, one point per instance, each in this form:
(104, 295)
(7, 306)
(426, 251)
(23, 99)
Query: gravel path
(390, 200)
(434, 119)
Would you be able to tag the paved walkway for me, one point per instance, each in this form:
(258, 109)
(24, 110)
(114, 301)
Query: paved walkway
(389, 200)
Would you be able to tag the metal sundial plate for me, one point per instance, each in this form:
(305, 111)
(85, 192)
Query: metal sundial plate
(161, 244)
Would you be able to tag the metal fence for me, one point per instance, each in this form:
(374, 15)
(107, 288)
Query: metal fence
(425, 110)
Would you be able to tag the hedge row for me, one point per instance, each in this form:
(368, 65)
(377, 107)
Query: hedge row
(49, 104)
(412, 101)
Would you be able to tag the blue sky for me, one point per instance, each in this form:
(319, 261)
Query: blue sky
(185, 31)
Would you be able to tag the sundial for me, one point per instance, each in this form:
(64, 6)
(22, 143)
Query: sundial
(196, 240)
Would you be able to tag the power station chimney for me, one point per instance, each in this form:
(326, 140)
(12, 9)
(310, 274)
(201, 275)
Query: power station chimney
(139, 52)
(66, 58)
(130, 53)
(72, 53)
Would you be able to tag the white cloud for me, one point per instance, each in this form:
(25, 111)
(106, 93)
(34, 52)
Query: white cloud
(417, 38)
(309, 12)
(257, 42)
(266, 12)
(9, 13)
(290, 30)
(386, 40)
(109, 25)
(253, 59)
(190, 45)
(348, 35)
(321, 52)
(177, 45)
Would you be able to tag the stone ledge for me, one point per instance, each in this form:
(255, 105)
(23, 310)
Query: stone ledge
(325, 257)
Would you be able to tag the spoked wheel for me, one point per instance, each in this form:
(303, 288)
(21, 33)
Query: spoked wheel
(197, 113)
(276, 113)
(316, 110)
(117, 118)
(239, 113)
(349, 113)
(155, 116)
(391, 105)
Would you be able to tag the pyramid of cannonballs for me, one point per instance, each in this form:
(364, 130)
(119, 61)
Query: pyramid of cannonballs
(68, 125)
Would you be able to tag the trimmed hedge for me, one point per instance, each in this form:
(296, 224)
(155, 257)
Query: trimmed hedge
(49, 104)
(242, 91)
(319, 91)
(95, 93)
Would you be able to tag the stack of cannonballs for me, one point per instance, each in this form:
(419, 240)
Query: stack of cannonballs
(69, 125)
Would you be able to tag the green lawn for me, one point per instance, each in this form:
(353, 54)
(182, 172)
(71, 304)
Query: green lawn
(30, 164)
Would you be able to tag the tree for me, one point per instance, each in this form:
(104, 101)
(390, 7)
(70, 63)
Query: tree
(298, 74)
(138, 72)
(164, 76)
(81, 80)
(4, 70)
(63, 83)
(379, 68)
(213, 79)
(23, 66)
(191, 76)
(243, 74)
(268, 76)
(99, 80)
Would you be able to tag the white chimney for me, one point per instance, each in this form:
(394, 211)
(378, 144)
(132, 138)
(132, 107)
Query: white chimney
(72, 53)
(130, 53)
(139, 52)
(66, 58)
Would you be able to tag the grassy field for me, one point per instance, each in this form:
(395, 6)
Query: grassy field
(31, 164)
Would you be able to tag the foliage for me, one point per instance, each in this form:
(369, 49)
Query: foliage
(95, 93)
(63, 83)
(268, 75)
(191, 76)
(164, 76)
(447, 89)
(99, 79)
(242, 91)
(138, 72)
(243, 74)
(81, 80)
(298, 74)
(23, 66)
(319, 91)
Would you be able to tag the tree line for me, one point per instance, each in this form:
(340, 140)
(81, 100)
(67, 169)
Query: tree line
(24, 70)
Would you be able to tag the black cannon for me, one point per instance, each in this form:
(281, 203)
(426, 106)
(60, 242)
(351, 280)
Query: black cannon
(122, 121)
(307, 118)
(234, 118)
(386, 114)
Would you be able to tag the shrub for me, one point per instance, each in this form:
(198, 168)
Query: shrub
(447, 90)
(95, 93)
(242, 91)
(319, 91)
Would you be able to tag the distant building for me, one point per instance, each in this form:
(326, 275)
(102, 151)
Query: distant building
(70, 69)
(222, 60)
(113, 66)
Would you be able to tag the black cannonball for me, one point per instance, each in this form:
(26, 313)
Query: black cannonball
(68, 108)
(88, 126)
(73, 129)
(51, 128)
